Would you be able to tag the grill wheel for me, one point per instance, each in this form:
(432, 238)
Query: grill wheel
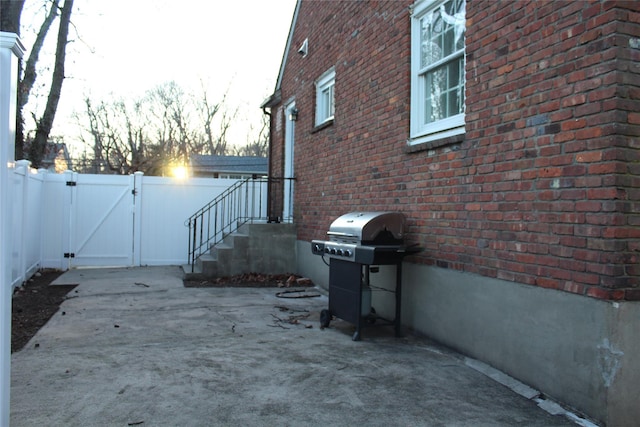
(325, 318)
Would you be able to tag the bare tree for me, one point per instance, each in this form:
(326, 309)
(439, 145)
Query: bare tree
(38, 146)
(161, 129)
(10, 16)
(216, 143)
(30, 74)
(10, 11)
(176, 132)
(260, 145)
(109, 155)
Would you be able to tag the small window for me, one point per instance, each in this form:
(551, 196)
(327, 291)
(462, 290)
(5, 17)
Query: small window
(437, 69)
(325, 97)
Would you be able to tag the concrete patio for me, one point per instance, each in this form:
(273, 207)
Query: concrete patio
(134, 347)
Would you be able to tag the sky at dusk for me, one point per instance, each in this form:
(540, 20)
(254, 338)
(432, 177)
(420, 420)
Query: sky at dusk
(125, 47)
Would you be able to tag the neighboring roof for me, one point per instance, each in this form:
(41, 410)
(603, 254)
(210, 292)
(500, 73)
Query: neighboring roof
(275, 97)
(229, 164)
(56, 156)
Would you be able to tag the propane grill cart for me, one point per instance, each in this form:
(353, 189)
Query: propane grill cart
(359, 240)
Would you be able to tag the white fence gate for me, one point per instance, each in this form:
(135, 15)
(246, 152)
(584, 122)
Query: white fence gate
(72, 220)
(101, 220)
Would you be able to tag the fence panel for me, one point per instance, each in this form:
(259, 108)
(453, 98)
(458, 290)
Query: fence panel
(107, 220)
(18, 179)
(32, 218)
(26, 191)
(166, 204)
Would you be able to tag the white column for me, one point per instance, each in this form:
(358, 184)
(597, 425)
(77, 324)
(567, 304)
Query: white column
(10, 51)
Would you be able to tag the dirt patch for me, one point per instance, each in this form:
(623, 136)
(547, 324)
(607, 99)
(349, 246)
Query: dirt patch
(252, 280)
(33, 305)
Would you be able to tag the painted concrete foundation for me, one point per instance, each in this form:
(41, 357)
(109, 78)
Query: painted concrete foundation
(270, 247)
(579, 351)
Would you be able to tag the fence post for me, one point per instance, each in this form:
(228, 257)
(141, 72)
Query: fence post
(68, 229)
(10, 51)
(137, 217)
(41, 206)
(24, 166)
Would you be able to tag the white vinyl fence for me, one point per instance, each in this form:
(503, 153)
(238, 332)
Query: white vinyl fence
(72, 220)
(26, 193)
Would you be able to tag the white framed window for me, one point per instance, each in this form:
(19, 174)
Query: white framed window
(325, 100)
(437, 69)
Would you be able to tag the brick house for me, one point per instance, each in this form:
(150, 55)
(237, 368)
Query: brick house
(507, 132)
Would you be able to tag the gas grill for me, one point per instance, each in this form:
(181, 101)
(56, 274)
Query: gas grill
(357, 241)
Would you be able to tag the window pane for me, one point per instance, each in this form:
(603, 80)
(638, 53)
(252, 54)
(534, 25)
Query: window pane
(430, 48)
(444, 91)
(454, 14)
(436, 86)
(323, 105)
(327, 102)
(442, 32)
(331, 101)
(453, 84)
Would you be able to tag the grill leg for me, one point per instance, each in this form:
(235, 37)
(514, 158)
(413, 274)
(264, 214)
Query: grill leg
(364, 281)
(398, 319)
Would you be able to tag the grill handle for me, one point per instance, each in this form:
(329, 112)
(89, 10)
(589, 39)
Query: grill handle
(338, 234)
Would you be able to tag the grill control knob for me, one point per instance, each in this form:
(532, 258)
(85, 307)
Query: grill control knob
(326, 250)
(347, 253)
(340, 252)
(333, 251)
(317, 248)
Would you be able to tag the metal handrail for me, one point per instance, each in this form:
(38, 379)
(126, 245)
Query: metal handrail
(243, 202)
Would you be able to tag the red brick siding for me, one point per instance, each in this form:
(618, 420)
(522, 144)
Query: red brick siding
(544, 189)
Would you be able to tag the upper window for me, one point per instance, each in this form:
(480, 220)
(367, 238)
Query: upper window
(437, 69)
(324, 97)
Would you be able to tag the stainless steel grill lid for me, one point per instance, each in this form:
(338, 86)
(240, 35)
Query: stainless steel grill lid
(368, 228)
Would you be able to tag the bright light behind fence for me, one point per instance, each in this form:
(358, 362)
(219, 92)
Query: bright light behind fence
(179, 172)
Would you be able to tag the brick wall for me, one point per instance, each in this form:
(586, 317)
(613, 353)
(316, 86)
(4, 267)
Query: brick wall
(549, 91)
(544, 188)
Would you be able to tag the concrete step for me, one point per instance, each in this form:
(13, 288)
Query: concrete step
(194, 273)
(261, 248)
(220, 247)
(208, 264)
